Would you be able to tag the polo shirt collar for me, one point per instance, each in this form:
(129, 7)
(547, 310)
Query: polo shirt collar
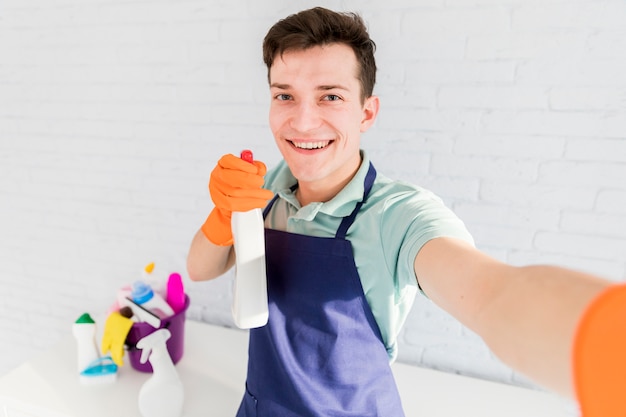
(340, 206)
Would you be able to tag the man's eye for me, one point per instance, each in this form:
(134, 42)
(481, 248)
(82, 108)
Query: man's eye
(332, 97)
(283, 97)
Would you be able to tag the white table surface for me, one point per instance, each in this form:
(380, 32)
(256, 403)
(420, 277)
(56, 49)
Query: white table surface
(213, 371)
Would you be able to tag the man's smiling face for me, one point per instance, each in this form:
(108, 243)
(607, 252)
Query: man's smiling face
(317, 116)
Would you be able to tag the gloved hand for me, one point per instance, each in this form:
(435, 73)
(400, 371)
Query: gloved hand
(116, 329)
(235, 185)
(598, 356)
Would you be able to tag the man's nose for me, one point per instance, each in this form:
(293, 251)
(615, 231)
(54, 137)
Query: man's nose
(305, 117)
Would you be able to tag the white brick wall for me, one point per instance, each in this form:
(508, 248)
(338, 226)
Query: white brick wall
(113, 113)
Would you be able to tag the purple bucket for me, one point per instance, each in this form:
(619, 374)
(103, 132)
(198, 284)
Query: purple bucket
(175, 344)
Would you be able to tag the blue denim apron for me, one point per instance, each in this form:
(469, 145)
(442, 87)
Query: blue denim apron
(321, 352)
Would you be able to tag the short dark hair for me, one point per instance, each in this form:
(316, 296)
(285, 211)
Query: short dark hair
(317, 27)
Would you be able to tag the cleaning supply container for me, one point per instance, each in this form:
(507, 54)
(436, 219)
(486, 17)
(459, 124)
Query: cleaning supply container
(175, 344)
(145, 296)
(249, 305)
(84, 330)
(162, 395)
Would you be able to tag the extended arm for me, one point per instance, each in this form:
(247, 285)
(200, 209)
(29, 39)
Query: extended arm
(235, 185)
(207, 260)
(527, 315)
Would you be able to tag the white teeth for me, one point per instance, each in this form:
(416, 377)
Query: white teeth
(311, 145)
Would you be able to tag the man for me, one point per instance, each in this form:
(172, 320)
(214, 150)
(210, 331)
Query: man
(348, 249)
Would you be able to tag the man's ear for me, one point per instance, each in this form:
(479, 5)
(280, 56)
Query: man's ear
(370, 111)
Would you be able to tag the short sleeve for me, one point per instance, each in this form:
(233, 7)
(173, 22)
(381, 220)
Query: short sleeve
(412, 218)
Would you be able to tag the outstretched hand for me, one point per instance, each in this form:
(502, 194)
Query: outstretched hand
(600, 356)
(235, 185)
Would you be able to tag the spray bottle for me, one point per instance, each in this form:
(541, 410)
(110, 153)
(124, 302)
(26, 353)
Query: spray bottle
(162, 395)
(249, 306)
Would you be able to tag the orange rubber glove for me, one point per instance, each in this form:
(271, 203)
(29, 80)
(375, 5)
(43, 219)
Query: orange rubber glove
(235, 185)
(599, 356)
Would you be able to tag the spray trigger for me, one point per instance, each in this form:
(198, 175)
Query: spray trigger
(246, 155)
(154, 339)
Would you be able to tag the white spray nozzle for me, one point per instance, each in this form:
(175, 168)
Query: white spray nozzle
(153, 340)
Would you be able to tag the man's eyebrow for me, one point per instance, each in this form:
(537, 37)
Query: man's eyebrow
(332, 87)
(320, 87)
(280, 86)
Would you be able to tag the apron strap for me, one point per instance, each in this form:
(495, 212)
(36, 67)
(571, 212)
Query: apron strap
(348, 220)
(269, 206)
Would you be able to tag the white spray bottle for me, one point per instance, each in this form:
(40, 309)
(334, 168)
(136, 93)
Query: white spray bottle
(249, 306)
(162, 395)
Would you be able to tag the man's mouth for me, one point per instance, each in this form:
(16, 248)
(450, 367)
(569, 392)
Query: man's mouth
(311, 145)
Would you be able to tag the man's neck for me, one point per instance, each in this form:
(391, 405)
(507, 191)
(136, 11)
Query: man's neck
(321, 191)
(307, 194)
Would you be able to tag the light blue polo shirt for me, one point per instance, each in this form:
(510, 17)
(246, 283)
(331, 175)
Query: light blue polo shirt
(396, 220)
